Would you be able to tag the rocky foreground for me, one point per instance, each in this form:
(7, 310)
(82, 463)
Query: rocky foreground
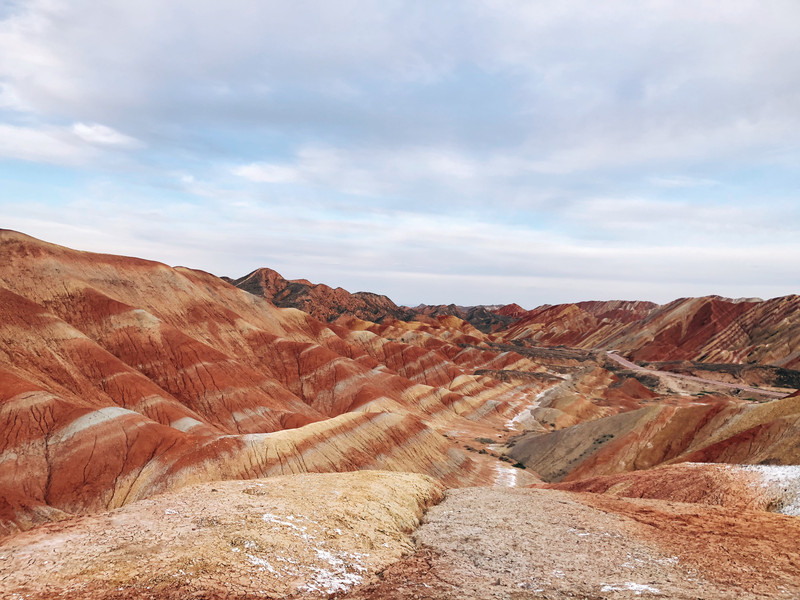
(358, 535)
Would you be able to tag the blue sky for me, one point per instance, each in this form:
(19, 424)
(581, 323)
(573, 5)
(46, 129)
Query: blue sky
(469, 152)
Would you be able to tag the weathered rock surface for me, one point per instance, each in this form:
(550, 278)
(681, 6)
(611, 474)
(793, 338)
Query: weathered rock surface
(305, 536)
(121, 378)
(713, 484)
(707, 329)
(714, 429)
(319, 300)
(484, 318)
(153, 392)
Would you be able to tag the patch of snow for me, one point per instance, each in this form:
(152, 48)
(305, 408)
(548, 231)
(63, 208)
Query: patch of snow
(262, 564)
(526, 585)
(527, 413)
(784, 480)
(637, 588)
(505, 476)
(340, 577)
(270, 518)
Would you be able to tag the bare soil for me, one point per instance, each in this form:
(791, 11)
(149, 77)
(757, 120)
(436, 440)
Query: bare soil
(514, 544)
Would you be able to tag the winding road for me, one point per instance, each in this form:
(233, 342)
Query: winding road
(631, 365)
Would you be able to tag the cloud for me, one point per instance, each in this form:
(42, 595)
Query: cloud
(102, 135)
(267, 173)
(413, 256)
(568, 86)
(682, 181)
(553, 144)
(373, 172)
(43, 144)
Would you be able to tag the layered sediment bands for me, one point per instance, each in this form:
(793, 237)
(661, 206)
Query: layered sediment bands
(80, 460)
(709, 329)
(121, 378)
(321, 301)
(715, 430)
(718, 485)
(580, 325)
(486, 319)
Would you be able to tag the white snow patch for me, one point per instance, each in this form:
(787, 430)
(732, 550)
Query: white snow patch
(784, 480)
(343, 569)
(262, 564)
(340, 577)
(637, 588)
(505, 476)
(526, 416)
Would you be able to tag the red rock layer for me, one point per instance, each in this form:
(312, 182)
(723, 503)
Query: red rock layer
(714, 430)
(712, 484)
(319, 300)
(709, 329)
(484, 318)
(120, 378)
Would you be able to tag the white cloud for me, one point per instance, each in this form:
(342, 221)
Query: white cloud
(682, 181)
(375, 171)
(576, 120)
(101, 135)
(268, 173)
(414, 257)
(44, 144)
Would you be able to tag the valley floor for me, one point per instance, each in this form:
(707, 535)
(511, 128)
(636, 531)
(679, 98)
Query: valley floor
(358, 536)
(522, 543)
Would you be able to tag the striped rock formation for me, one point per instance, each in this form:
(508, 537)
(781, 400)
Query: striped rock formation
(121, 378)
(708, 329)
(717, 429)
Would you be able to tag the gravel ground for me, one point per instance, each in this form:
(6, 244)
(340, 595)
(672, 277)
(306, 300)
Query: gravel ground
(522, 543)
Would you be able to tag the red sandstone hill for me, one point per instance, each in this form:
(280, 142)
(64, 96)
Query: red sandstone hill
(121, 378)
(484, 318)
(709, 329)
(328, 304)
(511, 310)
(319, 300)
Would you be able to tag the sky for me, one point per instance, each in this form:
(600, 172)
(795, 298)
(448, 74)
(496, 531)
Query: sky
(474, 151)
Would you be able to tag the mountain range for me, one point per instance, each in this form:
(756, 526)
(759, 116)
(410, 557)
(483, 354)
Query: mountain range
(123, 381)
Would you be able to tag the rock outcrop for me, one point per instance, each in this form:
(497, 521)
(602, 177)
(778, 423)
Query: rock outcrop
(707, 329)
(303, 535)
(319, 300)
(121, 378)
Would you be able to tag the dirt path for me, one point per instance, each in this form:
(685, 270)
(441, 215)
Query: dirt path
(518, 544)
(631, 365)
